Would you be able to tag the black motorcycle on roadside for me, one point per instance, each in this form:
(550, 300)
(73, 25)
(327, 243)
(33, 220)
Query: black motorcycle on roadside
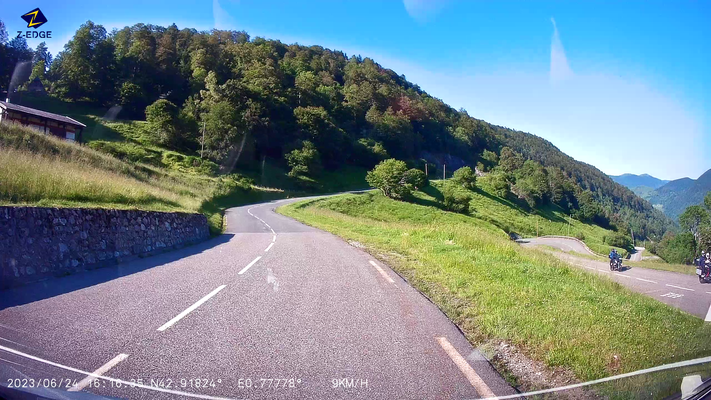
(615, 264)
(703, 270)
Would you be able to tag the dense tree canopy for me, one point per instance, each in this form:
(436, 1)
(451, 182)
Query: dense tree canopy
(260, 98)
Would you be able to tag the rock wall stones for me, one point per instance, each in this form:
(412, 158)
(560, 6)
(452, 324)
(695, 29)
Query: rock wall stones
(37, 242)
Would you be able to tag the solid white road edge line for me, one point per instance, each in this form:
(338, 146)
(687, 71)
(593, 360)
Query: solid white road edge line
(123, 383)
(708, 315)
(466, 369)
(249, 266)
(274, 237)
(622, 275)
(382, 272)
(269, 247)
(682, 288)
(102, 370)
(645, 280)
(190, 309)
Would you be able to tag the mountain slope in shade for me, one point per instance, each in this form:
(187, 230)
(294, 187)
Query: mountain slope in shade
(675, 196)
(632, 181)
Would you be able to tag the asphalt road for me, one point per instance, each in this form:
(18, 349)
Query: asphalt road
(637, 255)
(271, 309)
(677, 290)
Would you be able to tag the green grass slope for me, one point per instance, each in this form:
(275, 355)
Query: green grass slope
(512, 218)
(37, 169)
(495, 290)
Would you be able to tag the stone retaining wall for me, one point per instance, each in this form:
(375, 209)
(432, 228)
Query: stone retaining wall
(37, 243)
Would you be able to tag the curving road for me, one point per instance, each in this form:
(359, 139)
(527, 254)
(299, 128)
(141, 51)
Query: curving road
(271, 309)
(560, 243)
(675, 289)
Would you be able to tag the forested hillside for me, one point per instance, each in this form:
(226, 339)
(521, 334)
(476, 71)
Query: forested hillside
(310, 109)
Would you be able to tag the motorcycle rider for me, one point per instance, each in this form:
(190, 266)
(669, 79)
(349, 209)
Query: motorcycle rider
(701, 262)
(707, 264)
(613, 256)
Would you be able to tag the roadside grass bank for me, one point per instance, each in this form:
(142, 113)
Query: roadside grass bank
(41, 170)
(663, 266)
(495, 290)
(514, 218)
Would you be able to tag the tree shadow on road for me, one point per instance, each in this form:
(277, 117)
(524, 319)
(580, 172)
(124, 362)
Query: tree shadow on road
(57, 286)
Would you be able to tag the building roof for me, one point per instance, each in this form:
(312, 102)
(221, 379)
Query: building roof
(40, 113)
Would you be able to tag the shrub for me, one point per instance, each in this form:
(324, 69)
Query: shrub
(416, 178)
(127, 151)
(497, 184)
(618, 240)
(465, 177)
(456, 200)
(388, 176)
(188, 164)
(164, 122)
(303, 161)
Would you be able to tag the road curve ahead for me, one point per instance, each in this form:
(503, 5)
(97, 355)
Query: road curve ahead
(271, 309)
(558, 242)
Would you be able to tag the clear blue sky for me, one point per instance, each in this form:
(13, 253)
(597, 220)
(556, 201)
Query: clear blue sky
(625, 86)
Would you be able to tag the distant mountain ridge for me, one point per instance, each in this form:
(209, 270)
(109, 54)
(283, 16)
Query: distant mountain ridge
(633, 181)
(673, 197)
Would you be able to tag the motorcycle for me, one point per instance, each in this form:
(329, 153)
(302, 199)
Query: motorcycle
(615, 264)
(704, 273)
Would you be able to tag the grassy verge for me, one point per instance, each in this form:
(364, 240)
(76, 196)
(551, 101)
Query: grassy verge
(493, 289)
(512, 218)
(41, 170)
(664, 266)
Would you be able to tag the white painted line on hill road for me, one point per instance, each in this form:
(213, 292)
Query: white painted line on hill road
(622, 275)
(682, 288)
(382, 272)
(102, 370)
(645, 280)
(466, 369)
(269, 247)
(590, 268)
(106, 378)
(190, 309)
(708, 292)
(249, 265)
(274, 238)
(708, 315)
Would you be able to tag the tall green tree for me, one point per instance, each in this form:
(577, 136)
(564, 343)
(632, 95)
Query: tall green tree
(693, 218)
(86, 69)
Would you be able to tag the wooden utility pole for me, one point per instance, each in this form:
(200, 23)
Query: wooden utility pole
(203, 139)
(444, 172)
(537, 234)
(426, 174)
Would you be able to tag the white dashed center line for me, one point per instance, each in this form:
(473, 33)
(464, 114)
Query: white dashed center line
(191, 308)
(269, 247)
(682, 288)
(645, 280)
(249, 265)
(624, 276)
(102, 370)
